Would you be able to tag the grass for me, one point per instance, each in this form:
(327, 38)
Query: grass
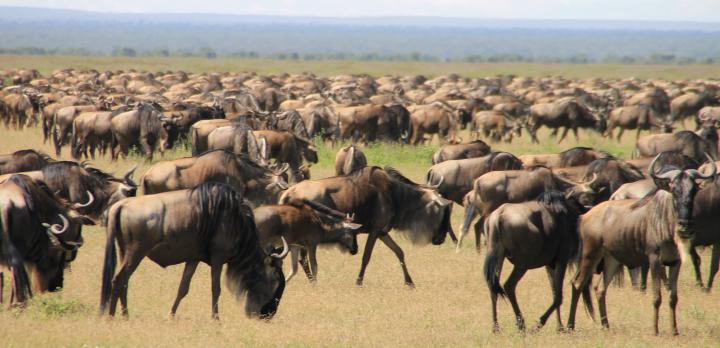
(46, 64)
(449, 307)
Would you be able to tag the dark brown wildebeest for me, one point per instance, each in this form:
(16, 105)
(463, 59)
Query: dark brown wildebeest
(360, 121)
(667, 158)
(145, 126)
(381, 200)
(640, 117)
(455, 178)
(210, 224)
(257, 184)
(566, 113)
(90, 131)
(200, 131)
(39, 233)
(693, 145)
(395, 125)
(531, 235)
(494, 125)
(63, 120)
(494, 189)
(610, 173)
(287, 147)
(305, 224)
(637, 233)
(688, 105)
(656, 98)
(349, 159)
(476, 148)
(23, 161)
(576, 156)
(77, 183)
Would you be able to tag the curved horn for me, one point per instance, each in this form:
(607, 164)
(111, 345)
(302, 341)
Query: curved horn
(404, 134)
(57, 229)
(91, 199)
(592, 181)
(128, 176)
(696, 174)
(667, 175)
(442, 178)
(285, 251)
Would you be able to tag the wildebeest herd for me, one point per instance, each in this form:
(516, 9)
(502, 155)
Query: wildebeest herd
(231, 204)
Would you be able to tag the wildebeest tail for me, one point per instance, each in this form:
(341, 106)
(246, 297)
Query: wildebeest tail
(495, 256)
(113, 227)
(194, 139)
(74, 147)
(586, 296)
(21, 282)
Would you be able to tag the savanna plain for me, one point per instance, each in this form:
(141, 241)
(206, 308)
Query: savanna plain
(450, 305)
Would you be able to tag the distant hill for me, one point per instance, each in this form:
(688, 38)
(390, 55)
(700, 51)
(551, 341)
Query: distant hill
(417, 38)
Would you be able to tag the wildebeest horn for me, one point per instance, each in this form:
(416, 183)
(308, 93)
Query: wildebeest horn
(595, 176)
(91, 199)
(695, 174)
(128, 176)
(404, 135)
(442, 178)
(667, 175)
(57, 229)
(285, 251)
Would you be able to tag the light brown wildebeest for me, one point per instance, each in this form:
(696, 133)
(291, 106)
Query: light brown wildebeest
(476, 148)
(576, 156)
(435, 118)
(640, 117)
(637, 233)
(210, 224)
(200, 131)
(692, 144)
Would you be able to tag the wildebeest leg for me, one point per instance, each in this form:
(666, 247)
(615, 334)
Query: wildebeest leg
(655, 269)
(400, 255)
(470, 214)
(714, 261)
(637, 134)
(2, 286)
(582, 280)
(293, 263)
(313, 262)
(510, 284)
(188, 272)
(478, 227)
(450, 229)
(131, 260)
(215, 272)
(556, 277)
(674, 274)
(305, 264)
(563, 135)
(644, 270)
(575, 133)
(533, 133)
(610, 267)
(369, 245)
(554, 132)
(696, 265)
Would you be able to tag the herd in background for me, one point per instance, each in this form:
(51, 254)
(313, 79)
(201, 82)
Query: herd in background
(231, 202)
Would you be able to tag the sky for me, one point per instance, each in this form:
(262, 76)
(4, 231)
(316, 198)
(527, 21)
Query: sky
(655, 10)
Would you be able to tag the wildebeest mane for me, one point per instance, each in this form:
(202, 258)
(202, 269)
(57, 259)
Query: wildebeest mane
(661, 218)
(59, 175)
(150, 122)
(218, 208)
(43, 156)
(515, 164)
(323, 209)
(408, 206)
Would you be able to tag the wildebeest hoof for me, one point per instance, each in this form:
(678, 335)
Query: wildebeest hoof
(410, 285)
(496, 329)
(359, 282)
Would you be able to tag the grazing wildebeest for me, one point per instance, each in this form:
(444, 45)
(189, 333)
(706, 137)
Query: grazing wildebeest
(566, 113)
(75, 183)
(349, 159)
(476, 148)
(257, 184)
(531, 235)
(39, 234)
(381, 200)
(494, 125)
(493, 189)
(637, 233)
(691, 144)
(305, 224)
(437, 117)
(576, 156)
(210, 224)
(23, 161)
(640, 117)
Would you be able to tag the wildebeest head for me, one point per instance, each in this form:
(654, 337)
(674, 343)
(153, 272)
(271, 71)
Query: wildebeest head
(263, 296)
(125, 188)
(581, 192)
(683, 184)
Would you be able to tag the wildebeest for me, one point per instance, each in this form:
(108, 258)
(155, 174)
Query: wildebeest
(23, 161)
(349, 159)
(238, 138)
(381, 200)
(90, 131)
(200, 131)
(609, 174)
(691, 144)
(576, 156)
(566, 113)
(640, 117)
(257, 184)
(144, 126)
(530, 235)
(637, 233)
(687, 105)
(494, 125)
(78, 183)
(437, 117)
(493, 189)
(210, 224)
(305, 224)
(39, 233)
(287, 147)
(476, 148)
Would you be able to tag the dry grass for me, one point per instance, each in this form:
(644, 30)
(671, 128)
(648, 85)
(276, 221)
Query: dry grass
(449, 307)
(47, 64)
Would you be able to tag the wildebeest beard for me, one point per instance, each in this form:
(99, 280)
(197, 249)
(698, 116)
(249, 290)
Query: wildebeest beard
(414, 219)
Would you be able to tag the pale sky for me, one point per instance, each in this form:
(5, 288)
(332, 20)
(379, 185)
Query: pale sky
(673, 10)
